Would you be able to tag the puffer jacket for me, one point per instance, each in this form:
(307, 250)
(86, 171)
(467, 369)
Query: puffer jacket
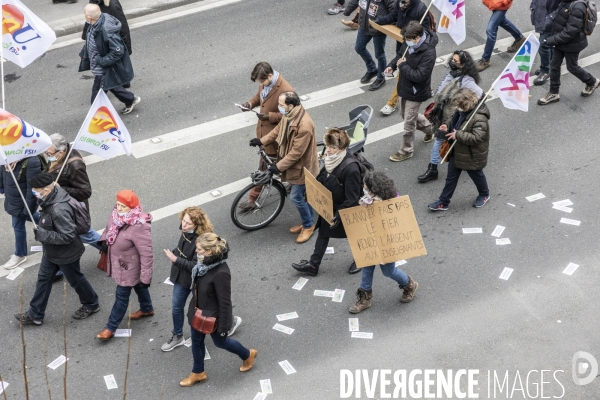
(472, 141)
(130, 257)
(415, 74)
(57, 229)
(212, 293)
(497, 5)
(540, 11)
(13, 203)
(567, 30)
(370, 10)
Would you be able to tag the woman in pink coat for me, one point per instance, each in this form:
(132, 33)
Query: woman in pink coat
(128, 237)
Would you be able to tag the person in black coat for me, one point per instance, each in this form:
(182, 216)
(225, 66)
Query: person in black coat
(14, 206)
(541, 11)
(211, 279)
(567, 41)
(341, 176)
(113, 7)
(414, 86)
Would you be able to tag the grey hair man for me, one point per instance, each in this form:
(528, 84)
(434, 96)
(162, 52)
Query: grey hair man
(105, 54)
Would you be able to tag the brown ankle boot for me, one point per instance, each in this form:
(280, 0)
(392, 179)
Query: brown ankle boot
(364, 301)
(192, 379)
(248, 362)
(409, 290)
(305, 234)
(296, 229)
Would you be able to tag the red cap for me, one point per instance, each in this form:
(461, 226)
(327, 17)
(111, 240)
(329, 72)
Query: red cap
(129, 198)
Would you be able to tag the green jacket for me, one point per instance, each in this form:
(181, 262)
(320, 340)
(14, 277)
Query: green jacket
(472, 141)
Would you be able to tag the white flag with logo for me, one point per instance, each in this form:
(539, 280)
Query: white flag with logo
(19, 140)
(512, 86)
(25, 37)
(103, 133)
(452, 19)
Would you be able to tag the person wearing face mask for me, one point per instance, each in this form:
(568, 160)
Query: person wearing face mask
(461, 72)
(73, 178)
(471, 131)
(404, 12)
(296, 150)
(211, 285)
(128, 236)
(62, 249)
(14, 206)
(414, 85)
(271, 85)
(378, 186)
(341, 176)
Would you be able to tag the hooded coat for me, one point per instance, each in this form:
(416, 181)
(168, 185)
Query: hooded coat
(113, 7)
(567, 29)
(472, 141)
(112, 54)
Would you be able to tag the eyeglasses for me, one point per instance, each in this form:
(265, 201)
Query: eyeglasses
(51, 154)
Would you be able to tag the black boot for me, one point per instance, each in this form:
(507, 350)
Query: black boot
(353, 269)
(430, 174)
(304, 266)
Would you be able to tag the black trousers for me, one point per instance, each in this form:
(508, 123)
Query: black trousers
(124, 96)
(319, 252)
(573, 67)
(452, 177)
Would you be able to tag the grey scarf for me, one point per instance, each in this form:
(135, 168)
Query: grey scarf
(200, 270)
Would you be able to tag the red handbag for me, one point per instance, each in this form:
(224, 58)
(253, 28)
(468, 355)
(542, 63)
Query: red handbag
(428, 110)
(202, 324)
(103, 261)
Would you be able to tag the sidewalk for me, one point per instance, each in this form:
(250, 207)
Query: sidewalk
(66, 19)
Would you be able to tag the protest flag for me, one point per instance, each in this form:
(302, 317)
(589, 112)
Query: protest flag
(19, 140)
(452, 20)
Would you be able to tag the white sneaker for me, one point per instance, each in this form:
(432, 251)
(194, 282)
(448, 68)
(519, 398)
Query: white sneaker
(237, 321)
(387, 109)
(129, 109)
(14, 262)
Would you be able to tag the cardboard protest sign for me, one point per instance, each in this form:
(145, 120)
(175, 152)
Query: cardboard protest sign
(384, 232)
(390, 30)
(318, 196)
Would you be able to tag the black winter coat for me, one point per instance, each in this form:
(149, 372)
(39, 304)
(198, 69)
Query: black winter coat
(344, 193)
(401, 17)
(74, 178)
(57, 230)
(370, 10)
(540, 11)
(415, 73)
(114, 8)
(567, 30)
(13, 203)
(181, 269)
(213, 291)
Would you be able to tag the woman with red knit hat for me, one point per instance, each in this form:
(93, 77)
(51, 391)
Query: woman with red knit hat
(128, 238)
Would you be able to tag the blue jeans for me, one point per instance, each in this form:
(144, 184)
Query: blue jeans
(180, 295)
(91, 238)
(545, 54)
(72, 271)
(388, 270)
(435, 152)
(297, 196)
(477, 176)
(198, 349)
(18, 224)
(497, 19)
(122, 302)
(362, 38)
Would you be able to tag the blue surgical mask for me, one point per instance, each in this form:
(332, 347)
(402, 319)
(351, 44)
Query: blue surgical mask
(409, 44)
(52, 158)
(282, 110)
(37, 194)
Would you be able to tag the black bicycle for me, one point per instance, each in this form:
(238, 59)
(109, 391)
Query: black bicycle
(271, 193)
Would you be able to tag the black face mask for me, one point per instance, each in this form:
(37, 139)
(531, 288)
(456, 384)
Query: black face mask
(453, 65)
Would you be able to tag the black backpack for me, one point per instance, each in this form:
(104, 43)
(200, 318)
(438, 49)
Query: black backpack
(363, 165)
(591, 15)
(83, 221)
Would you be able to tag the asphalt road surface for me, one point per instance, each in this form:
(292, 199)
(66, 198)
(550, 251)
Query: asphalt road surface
(190, 69)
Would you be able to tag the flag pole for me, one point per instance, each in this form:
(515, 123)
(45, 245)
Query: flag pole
(2, 65)
(7, 164)
(420, 22)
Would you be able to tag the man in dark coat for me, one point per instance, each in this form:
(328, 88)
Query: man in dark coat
(370, 10)
(568, 40)
(541, 11)
(414, 86)
(62, 250)
(73, 178)
(105, 54)
(113, 7)
(14, 206)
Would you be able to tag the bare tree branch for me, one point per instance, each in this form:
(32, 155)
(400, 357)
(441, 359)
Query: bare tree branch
(23, 345)
(45, 366)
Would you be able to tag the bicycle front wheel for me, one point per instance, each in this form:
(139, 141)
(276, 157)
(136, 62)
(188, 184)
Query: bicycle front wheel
(268, 205)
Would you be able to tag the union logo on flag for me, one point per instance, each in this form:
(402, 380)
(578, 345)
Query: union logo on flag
(19, 139)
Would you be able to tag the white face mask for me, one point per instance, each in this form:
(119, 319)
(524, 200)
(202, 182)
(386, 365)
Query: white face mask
(333, 156)
(191, 231)
(120, 214)
(52, 158)
(367, 198)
